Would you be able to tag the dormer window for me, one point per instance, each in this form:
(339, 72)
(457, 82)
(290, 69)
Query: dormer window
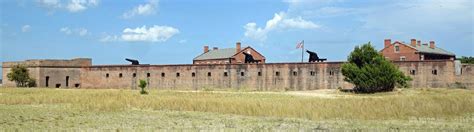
(397, 48)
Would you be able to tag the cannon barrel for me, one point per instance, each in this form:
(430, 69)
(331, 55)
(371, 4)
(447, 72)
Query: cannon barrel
(134, 62)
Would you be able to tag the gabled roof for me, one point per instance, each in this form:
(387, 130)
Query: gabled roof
(222, 53)
(425, 48)
(217, 54)
(245, 49)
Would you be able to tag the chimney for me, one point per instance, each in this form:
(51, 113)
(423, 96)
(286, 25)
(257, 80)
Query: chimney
(237, 47)
(388, 42)
(419, 43)
(206, 49)
(215, 48)
(432, 44)
(413, 42)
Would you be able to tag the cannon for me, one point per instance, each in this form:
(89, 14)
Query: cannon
(134, 62)
(249, 58)
(313, 57)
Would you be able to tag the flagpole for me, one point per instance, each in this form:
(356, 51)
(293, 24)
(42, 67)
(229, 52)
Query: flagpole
(302, 52)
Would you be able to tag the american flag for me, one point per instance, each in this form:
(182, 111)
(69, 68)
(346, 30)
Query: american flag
(300, 44)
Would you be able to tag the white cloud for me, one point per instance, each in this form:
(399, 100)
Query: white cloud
(50, 3)
(80, 5)
(82, 31)
(69, 5)
(143, 34)
(65, 30)
(78, 31)
(149, 8)
(280, 21)
(26, 28)
(109, 38)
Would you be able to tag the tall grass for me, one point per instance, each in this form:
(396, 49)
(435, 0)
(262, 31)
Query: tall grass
(431, 103)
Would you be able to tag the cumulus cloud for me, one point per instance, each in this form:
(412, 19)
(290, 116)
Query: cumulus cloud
(143, 34)
(69, 5)
(80, 5)
(149, 8)
(280, 21)
(26, 28)
(50, 3)
(65, 30)
(82, 32)
(78, 31)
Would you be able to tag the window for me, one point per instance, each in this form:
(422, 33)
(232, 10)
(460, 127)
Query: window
(193, 74)
(148, 74)
(259, 73)
(208, 74)
(331, 73)
(434, 72)
(242, 74)
(295, 73)
(225, 74)
(107, 75)
(422, 57)
(397, 48)
(312, 73)
(412, 72)
(277, 73)
(134, 74)
(402, 58)
(120, 75)
(162, 74)
(177, 74)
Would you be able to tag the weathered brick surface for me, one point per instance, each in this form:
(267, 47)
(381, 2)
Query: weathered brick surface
(291, 76)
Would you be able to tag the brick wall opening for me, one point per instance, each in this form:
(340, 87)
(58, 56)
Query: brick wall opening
(67, 81)
(47, 81)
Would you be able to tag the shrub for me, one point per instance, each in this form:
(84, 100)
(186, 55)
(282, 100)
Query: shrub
(142, 84)
(370, 72)
(31, 82)
(21, 76)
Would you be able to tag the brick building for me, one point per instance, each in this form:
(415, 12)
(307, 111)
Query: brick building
(415, 51)
(227, 55)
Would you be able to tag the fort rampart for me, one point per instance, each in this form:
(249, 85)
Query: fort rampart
(80, 73)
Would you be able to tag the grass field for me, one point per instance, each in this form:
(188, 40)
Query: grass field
(407, 109)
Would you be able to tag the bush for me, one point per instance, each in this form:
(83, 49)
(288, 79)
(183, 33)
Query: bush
(21, 76)
(142, 84)
(370, 72)
(31, 82)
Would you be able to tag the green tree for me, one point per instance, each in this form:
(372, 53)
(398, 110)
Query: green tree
(20, 75)
(142, 84)
(465, 59)
(370, 72)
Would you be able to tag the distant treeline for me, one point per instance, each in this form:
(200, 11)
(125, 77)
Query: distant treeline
(465, 59)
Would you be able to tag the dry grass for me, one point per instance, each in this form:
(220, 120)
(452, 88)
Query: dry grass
(446, 104)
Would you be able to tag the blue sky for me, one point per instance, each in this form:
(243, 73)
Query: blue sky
(174, 31)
